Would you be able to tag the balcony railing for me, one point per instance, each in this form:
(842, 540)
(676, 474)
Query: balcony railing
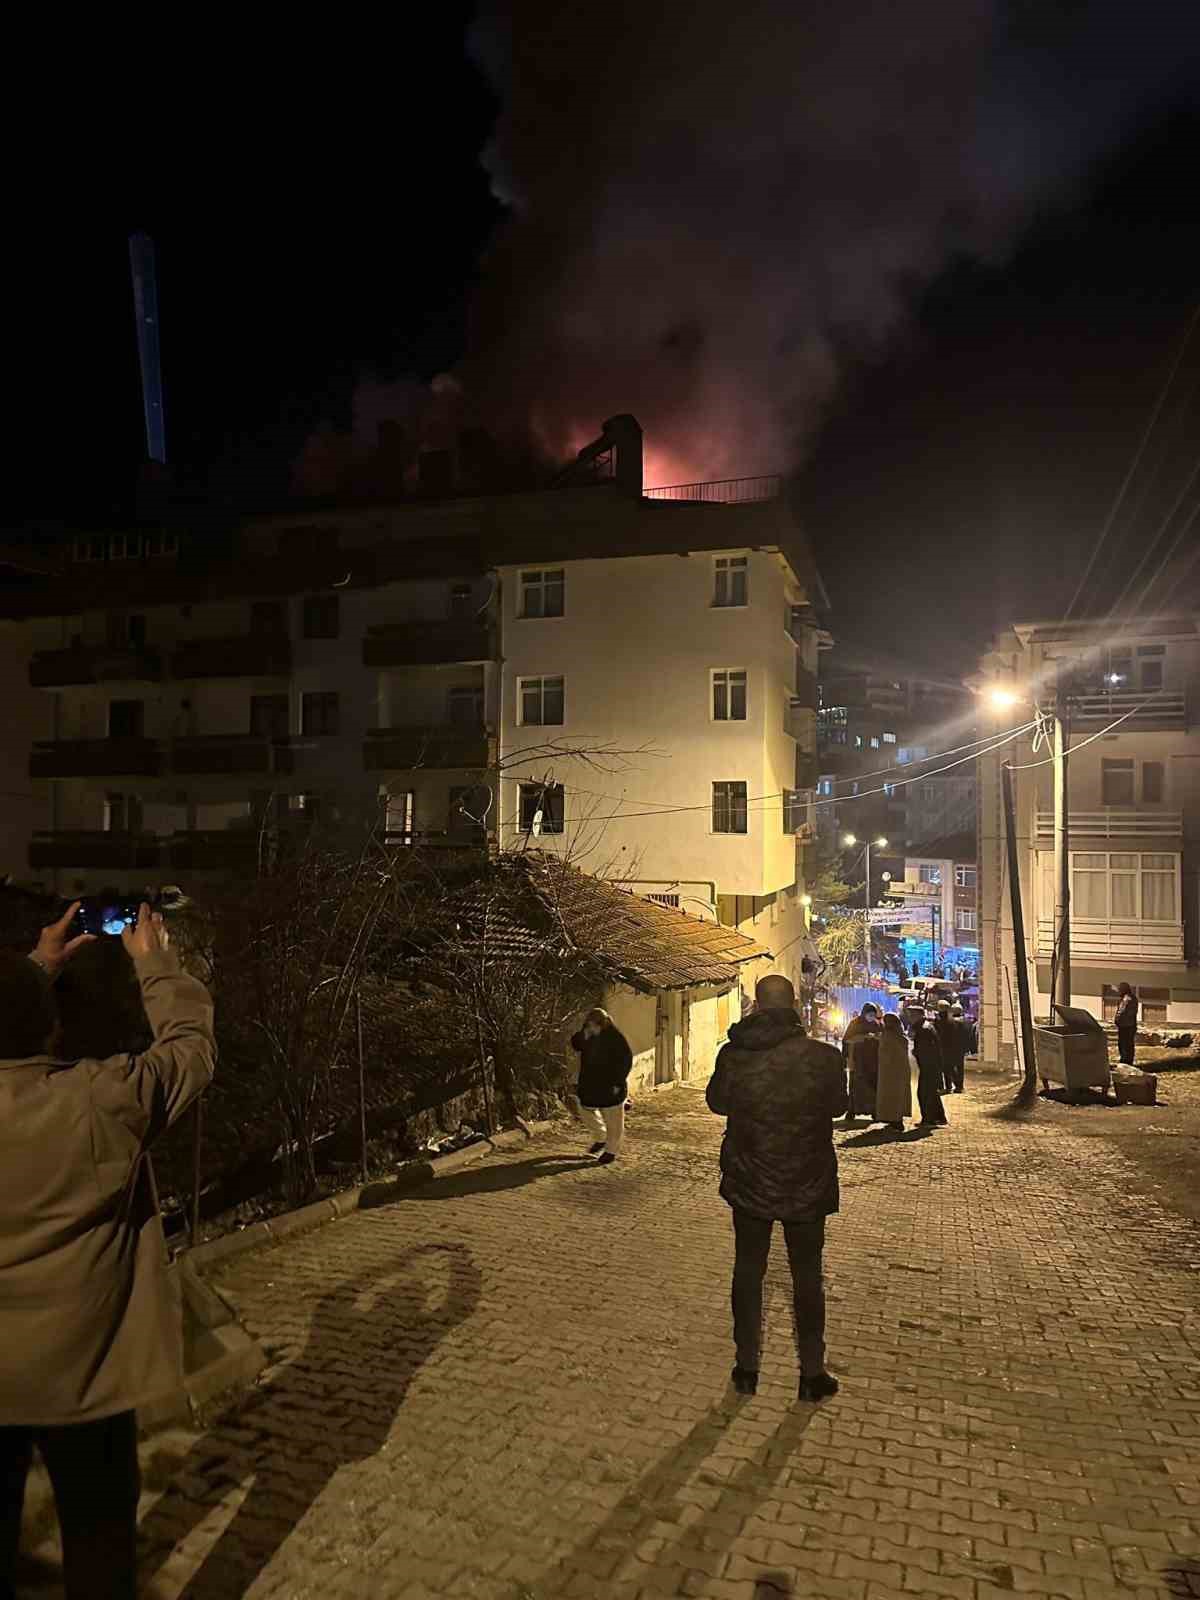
(250, 655)
(722, 491)
(414, 644)
(1142, 944)
(94, 758)
(57, 669)
(402, 749)
(215, 754)
(469, 840)
(216, 850)
(80, 848)
(1138, 707)
(1115, 822)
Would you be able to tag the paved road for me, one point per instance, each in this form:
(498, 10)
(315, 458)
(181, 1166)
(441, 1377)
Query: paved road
(515, 1386)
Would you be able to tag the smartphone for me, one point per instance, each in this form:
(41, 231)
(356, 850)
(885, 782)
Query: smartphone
(99, 915)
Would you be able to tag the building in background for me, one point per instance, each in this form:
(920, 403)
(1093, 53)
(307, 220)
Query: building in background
(940, 886)
(1134, 818)
(629, 678)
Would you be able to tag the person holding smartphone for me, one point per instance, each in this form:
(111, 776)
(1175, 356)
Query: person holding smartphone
(89, 1328)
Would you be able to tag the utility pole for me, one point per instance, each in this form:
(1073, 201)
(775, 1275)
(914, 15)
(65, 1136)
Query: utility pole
(1028, 1049)
(1061, 987)
(867, 904)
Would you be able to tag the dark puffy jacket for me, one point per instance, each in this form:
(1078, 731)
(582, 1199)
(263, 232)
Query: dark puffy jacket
(605, 1061)
(780, 1091)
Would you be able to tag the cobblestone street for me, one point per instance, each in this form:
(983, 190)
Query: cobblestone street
(514, 1383)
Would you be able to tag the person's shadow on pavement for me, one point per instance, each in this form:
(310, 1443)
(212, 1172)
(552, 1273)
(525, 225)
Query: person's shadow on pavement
(872, 1136)
(478, 1180)
(334, 1404)
(654, 1499)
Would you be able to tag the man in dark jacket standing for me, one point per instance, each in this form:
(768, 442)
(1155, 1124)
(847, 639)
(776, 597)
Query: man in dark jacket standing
(930, 1069)
(780, 1091)
(953, 1042)
(605, 1061)
(1126, 1020)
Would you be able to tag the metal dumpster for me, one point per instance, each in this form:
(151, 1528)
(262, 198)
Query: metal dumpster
(1073, 1052)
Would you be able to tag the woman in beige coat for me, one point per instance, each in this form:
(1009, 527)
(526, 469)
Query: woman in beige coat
(893, 1089)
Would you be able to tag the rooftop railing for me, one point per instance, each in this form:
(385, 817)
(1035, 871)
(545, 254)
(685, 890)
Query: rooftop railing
(722, 491)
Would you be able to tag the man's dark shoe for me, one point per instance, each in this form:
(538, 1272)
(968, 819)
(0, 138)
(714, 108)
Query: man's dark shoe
(745, 1380)
(595, 1149)
(606, 1159)
(818, 1388)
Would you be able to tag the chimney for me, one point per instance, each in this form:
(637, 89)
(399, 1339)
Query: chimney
(624, 433)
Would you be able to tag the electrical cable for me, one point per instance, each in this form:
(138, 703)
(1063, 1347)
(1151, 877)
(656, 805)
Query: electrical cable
(1121, 493)
(1091, 738)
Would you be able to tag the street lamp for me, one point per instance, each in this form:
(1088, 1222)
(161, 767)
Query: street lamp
(850, 840)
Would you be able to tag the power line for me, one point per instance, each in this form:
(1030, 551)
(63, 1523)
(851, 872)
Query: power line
(1124, 489)
(1091, 738)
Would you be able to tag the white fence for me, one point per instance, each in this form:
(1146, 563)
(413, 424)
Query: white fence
(1115, 822)
(1146, 944)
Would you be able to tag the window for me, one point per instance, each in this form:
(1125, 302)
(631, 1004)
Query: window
(398, 812)
(1154, 775)
(460, 602)
(729, 808)
(319, 713)
(929, 872)
(124, 547)
(889, 791)
(728, 695)
(825, 786)
(160, 544)
(122, 813)
(729, 580)
(308, 805)
(270, 617)
(1150, 667)
(858, 741)
(542, 593)
(889, 738)
(125, 719)
(269, 716)
(1116, 783)
(542, 808)
(964, 877)
(321, 616)
(874, 742)
(795, 810)
(965, 920)
(540, 701)
(1123, 886)
(464, 707)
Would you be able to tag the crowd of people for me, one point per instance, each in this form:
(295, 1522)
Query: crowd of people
(879, 1053)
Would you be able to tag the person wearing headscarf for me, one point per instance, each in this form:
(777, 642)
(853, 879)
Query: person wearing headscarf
(893, 1091)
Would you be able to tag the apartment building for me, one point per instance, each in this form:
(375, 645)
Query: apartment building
(875, 716)
(627, 677)
(1134, 815)
(940, 885)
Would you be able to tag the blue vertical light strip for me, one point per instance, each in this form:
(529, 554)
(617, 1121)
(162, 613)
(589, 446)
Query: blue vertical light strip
(145, 306)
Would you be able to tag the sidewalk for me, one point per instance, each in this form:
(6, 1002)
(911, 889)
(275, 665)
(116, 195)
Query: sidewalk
(514, 1385)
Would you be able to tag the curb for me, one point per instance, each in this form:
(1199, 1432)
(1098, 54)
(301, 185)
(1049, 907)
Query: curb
(334, 1207)
(227, 1356)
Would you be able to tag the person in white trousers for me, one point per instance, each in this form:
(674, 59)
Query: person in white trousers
(605, 1060)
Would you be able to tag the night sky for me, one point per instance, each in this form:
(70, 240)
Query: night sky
(939, 264)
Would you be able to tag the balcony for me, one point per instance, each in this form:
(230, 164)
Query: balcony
(215, 850)
(1139, 708)
(401, 749)
(722, 491)
(805, 697)
(94, 758)
(78, 848)
(58, 669)
(1114, 822)
(806, 769)
(219, 754)
(250, 655)
(1095, 943)
(462, 841)
(416, 644)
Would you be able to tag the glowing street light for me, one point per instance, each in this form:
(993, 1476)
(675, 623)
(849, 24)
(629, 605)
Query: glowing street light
(849, 840)
(1003, 699)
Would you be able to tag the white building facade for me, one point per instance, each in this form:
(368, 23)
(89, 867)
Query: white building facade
(1134, 817)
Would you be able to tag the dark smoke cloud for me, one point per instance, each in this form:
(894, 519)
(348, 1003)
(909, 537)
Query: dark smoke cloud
(714, 202)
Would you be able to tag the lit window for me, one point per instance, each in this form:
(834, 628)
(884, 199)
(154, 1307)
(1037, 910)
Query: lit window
(398, 814)
(929, 872)
(540, 701)
(542, 807)
(729, 582)
(889, 738)
(542, 593)
(874, 742)
(729, 808)
(729, 695)
(964, 877)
